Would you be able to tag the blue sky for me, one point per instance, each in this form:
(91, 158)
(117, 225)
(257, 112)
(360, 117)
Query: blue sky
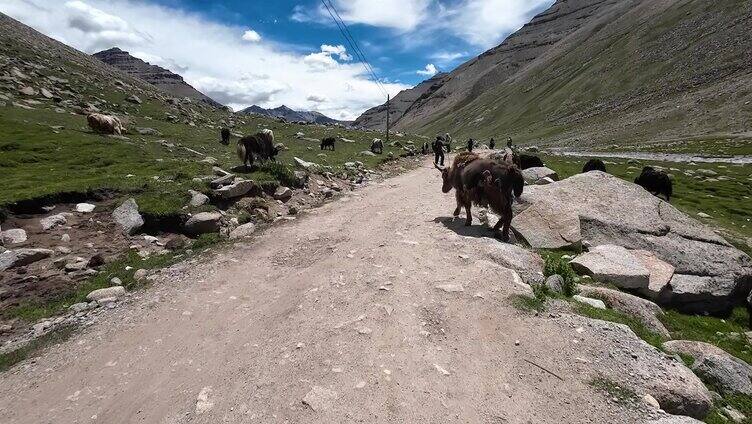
(285, 52)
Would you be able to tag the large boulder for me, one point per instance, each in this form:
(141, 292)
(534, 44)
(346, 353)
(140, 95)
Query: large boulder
(203, 223)
(618, 355)
(604, 210)
(533, 175)
(242, 231)
(613, 264)
(715, 366)
(128, 217)
(21, 257)
(528, 264)
(113, 292)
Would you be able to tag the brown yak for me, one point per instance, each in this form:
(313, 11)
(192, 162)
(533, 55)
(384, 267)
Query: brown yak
(452, 178)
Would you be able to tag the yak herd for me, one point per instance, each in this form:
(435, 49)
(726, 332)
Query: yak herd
(492, 182)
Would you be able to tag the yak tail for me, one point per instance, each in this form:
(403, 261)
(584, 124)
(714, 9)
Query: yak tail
(241, 150)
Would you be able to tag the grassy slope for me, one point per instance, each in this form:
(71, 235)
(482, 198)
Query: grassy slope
(590, 84)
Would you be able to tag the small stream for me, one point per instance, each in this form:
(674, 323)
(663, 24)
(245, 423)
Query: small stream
(653, 156)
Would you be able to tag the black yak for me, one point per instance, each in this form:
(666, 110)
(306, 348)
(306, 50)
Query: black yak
(594, 165)
(328, 143)
(225, 134)
(259, 146)
(656, 182)
(452, 179)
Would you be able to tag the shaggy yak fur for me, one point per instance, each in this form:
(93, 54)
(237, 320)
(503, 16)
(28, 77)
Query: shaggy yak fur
(377, 146)
(594, 165)
(105, 124)
(656, 182)
(225, 134)
(260, 145)
(452, 179)
(494, 185)
(529, 161)
(328, 143)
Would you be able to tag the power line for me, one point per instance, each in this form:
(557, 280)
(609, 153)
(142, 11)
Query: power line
(353, 44)
(356, 47)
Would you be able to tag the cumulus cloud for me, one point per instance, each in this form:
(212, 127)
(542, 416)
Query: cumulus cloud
(251, 36)
(485, 22)
(209, 55)
(429, 71)
(316, 98)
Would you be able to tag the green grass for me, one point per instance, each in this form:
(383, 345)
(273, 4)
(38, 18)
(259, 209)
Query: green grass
(529, 303)
(555, 264)
(611, 315)
(614, 390)
(7, 360)
(740, 402)
(713, 330)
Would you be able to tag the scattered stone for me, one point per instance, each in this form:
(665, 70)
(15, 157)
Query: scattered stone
(366, 153)
(555, 283)
(13, 236)
(204, 401)
(115, 281)
(595, 303)
(148, 131)
(243, 231)
(65, 238)
(613, 264)
(85, 207)
(128, 217)
(140, 274)
(451, 288)
(96, 261)
(27, 91)
(675, 419)
(735, 415)
(730, 375)
(222, 181)
(283, 193)
(441, 370)
(198, 198)
(703, 215)
(203, 223)
(133, 99)
(53, 221)
(308, 166)
(105, 293)
(21, 257)
(650, 401)
(320, 398)
(237, 189)
(79, 307)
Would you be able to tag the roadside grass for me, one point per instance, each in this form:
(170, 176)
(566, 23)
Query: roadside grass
(7, 360)
(528, 303)
(614, 390)
(611, 315)
(123, 268)
(740, 402)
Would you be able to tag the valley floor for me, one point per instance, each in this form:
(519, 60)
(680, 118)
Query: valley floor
(352, 313)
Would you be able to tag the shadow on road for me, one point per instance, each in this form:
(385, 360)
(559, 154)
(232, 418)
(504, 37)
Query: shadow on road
(477, 230)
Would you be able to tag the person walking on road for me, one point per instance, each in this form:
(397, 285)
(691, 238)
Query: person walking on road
(438, 152)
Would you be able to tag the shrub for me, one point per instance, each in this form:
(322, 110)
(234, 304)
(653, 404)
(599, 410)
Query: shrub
(282, 173)
(555, 264)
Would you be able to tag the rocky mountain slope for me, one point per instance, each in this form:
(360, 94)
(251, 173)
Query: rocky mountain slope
(164, 79)
(375, 118)
(289, 115)
(589, 72)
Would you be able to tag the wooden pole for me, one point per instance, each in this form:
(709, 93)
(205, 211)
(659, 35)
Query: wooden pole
(387, 119)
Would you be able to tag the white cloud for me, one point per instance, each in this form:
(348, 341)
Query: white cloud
(209, 55)
(316, 98)
(445, 58)
(403, 15)
(430, 70)
(251, 36)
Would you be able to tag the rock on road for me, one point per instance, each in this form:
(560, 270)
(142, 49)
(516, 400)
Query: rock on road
(334, 317)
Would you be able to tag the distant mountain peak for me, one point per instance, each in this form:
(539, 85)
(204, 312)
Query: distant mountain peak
(157, 76)
(288, 114)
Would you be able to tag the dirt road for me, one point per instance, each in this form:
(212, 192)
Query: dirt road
(340, 308)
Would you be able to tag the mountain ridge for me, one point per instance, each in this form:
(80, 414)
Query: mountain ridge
(591, 72)
(157, 76)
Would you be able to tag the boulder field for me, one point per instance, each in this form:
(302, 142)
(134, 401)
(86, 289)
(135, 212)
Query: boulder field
(636, 241)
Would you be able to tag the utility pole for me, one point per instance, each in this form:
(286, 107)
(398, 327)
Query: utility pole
(387, 119)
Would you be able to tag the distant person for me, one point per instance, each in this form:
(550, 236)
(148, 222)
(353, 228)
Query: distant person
(438, 151)
(470, 144)
(492, 144)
